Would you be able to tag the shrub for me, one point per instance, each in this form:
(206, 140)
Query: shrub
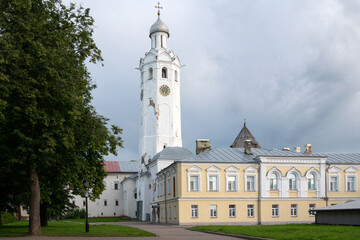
(76, 214)
(7, 217)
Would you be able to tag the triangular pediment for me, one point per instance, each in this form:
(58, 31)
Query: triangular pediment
(232, 169)
(334, 170)
(194, 169)
(351, 170)
(213, 169)
(250, 169)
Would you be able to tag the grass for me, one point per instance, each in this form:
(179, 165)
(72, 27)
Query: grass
(63, 228)
(290, 231)
(102, 219)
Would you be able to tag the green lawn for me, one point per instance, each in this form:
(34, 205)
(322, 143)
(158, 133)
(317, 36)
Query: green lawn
(62, 228)
(290, 231)
(102, 219)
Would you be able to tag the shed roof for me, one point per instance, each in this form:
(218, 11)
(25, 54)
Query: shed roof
(350, 205)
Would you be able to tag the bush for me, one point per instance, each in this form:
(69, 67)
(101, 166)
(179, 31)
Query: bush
(76, 214)
(7, 217)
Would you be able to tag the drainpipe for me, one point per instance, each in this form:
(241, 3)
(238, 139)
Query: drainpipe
(165, 198)
(326, 185)
(259, 195)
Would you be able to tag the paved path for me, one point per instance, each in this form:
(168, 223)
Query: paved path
(163, 232)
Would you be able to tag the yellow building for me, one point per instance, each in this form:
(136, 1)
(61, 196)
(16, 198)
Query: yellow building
(252, 185)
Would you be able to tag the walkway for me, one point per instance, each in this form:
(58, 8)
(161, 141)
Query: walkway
(163, 232)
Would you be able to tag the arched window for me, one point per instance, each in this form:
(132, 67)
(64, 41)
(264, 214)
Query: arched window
(176, 76)
(164, 72)
(273, 182)
(311, 182)
(292, 182)
(150, 73)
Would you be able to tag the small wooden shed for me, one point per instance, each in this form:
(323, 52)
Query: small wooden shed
(341, 214)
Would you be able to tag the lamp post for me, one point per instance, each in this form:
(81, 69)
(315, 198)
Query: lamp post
(86, 185)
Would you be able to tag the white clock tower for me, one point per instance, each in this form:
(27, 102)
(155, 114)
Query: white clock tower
(160, 95)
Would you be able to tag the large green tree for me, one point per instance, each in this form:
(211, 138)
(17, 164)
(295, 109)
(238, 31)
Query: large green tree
(48, 127)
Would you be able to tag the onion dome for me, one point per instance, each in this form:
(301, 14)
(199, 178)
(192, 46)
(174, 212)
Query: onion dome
(159, 26)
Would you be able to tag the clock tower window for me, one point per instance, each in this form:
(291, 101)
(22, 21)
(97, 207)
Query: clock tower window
(176, 76)
(150, 73)
(164, 72)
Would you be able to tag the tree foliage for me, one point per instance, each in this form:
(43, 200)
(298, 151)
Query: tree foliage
(49, 131)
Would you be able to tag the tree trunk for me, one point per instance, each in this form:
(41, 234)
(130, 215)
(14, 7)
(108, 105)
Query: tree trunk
(44, 214)
(34, 218)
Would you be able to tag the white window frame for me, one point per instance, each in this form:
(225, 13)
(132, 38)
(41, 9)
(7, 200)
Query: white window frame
(217, 184)
(349, 173)
(197, 175)
(236, 176)
(194, 211)
(337, 187)
(250, 210)
(232, 172)
(354, 182)
(291, 182)
(213, 211)
(309, 182)
(311, 208)
(294, 210)
(275, 210)
(249, 187)
(168, 182)
(213, 171)
(232, 210)
(277, 181)
(194, 171)
(251, 172)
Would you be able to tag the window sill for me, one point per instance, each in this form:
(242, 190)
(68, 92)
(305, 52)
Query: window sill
(274, 216)
(250, 191)
(294, 216)
(232, 190)
(213, 217)
(250, 216)
(232, 216)
(213, 190)
(274, 190)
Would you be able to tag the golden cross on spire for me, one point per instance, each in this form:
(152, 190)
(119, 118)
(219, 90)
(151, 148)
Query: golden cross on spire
(158, 7)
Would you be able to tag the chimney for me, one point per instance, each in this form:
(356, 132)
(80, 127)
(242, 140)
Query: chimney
(202, 145)
(297, 149)
(307, 149)
(286, 149)
(247, 146)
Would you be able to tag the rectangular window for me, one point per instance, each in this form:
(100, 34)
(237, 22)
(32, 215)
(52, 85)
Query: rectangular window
(194, 211)
(169, 212)
(174, 187)
(194, 183)
(116, 186)
(84, 203)
(350, 184)
(250, 183)
(161, 189)
(213, 183)
(175, 213)
(116, 202)
(293, 210)
(105, 202)
(333, 184)
(231, 183)
(312, 206)
(250, 210)
(275, 210)
(273, 184)
(232, 211)
(168, 186)
(213, 210)
(162, 212)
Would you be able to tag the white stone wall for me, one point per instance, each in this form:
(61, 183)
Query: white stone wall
(110, 195)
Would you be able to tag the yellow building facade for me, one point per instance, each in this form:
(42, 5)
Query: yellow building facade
(230, 186)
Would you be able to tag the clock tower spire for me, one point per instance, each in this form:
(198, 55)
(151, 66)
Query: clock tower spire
(159, 95)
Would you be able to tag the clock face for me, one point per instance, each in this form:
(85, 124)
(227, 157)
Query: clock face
(164, 90)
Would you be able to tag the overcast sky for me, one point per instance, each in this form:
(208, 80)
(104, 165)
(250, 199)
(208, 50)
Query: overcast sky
(290, 67)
